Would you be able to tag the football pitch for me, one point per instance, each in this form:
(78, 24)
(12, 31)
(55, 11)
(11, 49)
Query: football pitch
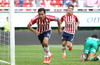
(33, 55)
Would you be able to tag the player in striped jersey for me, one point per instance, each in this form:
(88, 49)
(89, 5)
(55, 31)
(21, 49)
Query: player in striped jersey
(71, 25)
(43, 31)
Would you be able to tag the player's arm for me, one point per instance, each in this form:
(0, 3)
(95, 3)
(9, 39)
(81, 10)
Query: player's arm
(31, 28)
(59, 27)
(99, 42)
(60, 23)
(53, 18)
(77, 23)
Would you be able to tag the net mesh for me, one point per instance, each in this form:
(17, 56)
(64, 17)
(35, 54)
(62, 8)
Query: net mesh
(4, 43)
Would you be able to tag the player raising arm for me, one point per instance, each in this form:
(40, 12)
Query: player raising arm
(43, 31)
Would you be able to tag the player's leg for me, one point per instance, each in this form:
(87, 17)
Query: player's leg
(63, 43)
(40, 37)
(47, 52)
(66, 41)
(97, 58)
(85, 52)
(69, 45)
(83, 57)
(69, 39)
(46, 47)
(93, 51)
(91, 56)
(45, 42)
(64, 49)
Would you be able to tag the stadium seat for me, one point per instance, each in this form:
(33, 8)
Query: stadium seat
(0, 4)
(43, 3)
(27, 3)
(17, 3)
(99, 3)
(57, 3)
(4, 3)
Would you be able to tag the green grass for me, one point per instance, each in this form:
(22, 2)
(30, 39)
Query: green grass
(33, 55)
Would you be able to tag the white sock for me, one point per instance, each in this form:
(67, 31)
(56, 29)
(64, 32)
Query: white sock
(64, 50)
(47, 52)
(98, 57)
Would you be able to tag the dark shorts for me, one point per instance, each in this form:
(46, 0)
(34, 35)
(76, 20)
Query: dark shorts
(44, 34)
(67, 37)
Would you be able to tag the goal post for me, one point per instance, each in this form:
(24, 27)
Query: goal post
(12, 32)
(7, 39)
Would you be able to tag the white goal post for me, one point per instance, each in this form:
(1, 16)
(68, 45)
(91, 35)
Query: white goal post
(12, 33)
(12, 36)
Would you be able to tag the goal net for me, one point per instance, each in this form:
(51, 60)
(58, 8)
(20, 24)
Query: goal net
(4, 39)
(7, 34)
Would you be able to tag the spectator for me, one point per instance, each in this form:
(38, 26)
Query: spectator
(37, 2)
(47, 3)
(0, 3)
(33, 3)
(4, 3)
(91, 3)
(21, 3)
(81, 3)
(74, 2)
(66, 2)
(69, 2)
(98, 2)
(56, 3)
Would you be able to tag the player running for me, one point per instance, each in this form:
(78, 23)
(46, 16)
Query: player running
(91, 46)
(71, 25)
(43, 31)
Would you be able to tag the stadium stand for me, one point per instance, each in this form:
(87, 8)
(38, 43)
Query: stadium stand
(4, 3)
(92, 3)
(0, 3)
(19, 3)
(56, 3)
(68, 2)
(27, 3)
(99, 3)
(43, 3)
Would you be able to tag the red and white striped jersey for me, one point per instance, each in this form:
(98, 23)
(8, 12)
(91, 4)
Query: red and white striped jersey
(70, 23)
(43, 25)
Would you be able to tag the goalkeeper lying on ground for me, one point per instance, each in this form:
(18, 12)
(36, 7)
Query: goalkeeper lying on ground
(91, 46)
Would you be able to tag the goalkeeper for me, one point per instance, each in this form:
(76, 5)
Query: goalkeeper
(91, 46)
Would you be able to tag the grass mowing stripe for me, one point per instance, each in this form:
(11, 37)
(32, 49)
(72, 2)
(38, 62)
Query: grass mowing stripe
(33, 55)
